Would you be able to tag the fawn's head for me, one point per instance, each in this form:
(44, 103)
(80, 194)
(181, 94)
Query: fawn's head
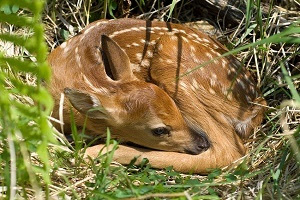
(135, 111)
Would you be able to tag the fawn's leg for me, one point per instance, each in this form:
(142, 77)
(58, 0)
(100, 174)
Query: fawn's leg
(225, 149)
(186, 163)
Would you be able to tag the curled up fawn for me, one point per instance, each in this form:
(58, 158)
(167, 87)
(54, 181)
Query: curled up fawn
(126, 75)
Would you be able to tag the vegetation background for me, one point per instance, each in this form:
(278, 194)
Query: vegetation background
(38, 162)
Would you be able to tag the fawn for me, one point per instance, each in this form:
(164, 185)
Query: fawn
(125, 74)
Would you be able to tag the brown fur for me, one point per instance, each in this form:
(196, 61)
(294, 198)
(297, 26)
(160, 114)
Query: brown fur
(214, 99)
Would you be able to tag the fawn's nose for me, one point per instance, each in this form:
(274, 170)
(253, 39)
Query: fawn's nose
(199, 144)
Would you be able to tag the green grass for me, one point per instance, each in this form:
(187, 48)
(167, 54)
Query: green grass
(34, 164)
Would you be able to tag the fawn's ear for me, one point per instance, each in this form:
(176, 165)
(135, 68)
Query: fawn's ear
(86, 103)
(116, 60)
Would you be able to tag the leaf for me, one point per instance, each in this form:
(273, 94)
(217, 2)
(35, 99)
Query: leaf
(215, 173)
(64, 34)
(230, 178)
(144, 162)
(289, 81)
(44, 156)
(211, 191)
(192, 182)
(145, 189)
(111, 7)
(172, 8)
(6, 9)
(16, 20)
(242, 169)
(14, 8)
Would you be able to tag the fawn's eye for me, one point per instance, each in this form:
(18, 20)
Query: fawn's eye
(160, 131)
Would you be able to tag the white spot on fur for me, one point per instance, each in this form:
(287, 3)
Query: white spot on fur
(195, 84)
(145, 63)
(139, 56)
(193, 48)
(77, 57)
(229, 96)
(215, 46)
(135, 67)
(173, 37)
(224, 63)
(196, 60)
(212, 82)
(193, 54)
(233, 70)
(101, 22)
(63, 45)
(149, 54)
(214, 76)
(153, 42)
(160, 47)
(169, 61)
(157, 28)
(194, 35)
(183, 84)
(211, 91)
(135, 29)
(185, 39)
(114, 34)
(198, 39)
(205, 40)
(86, 31)
(215, 52)
(209, 55)
(201, 87)
(224, 90)
(135, 44)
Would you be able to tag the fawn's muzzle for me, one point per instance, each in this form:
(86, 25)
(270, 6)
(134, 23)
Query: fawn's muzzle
(199, 145)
